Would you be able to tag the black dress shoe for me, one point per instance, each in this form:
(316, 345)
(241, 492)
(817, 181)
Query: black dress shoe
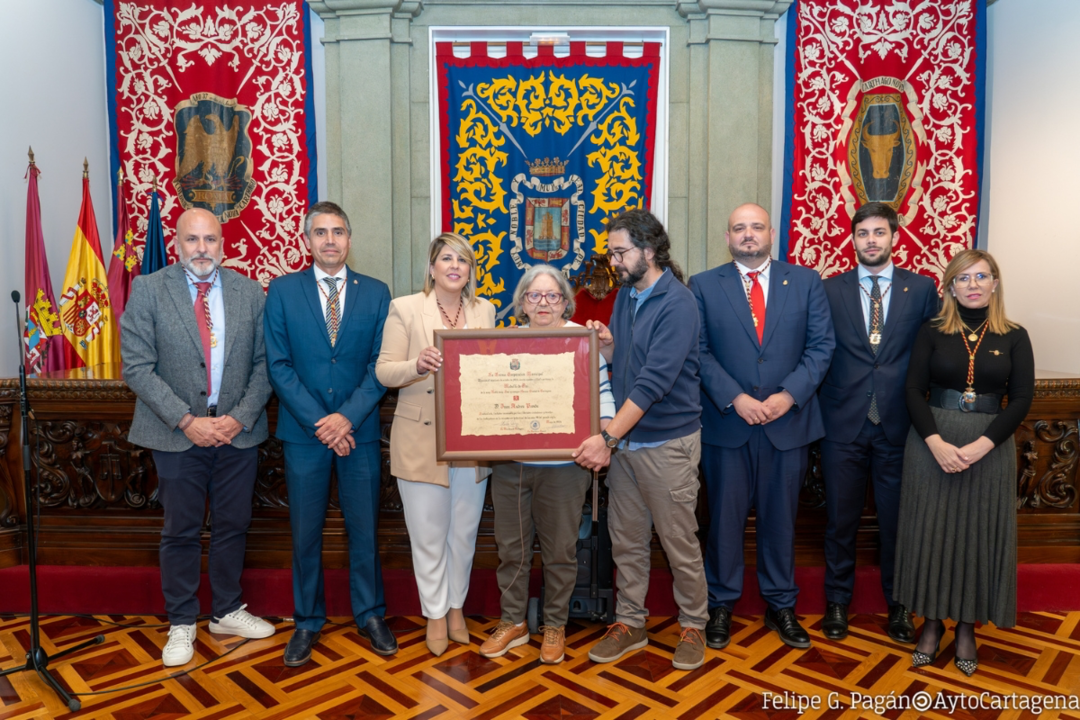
(381, 636)
(787, 626)
(298, 651)
(718, 629)
(900, 627)
(834, 624)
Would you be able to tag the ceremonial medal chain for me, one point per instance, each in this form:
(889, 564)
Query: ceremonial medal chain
(748, 286)
(875, 337)
(969, 396)
(457, 315)
(206, 303)
(323, 290)
(973, 336)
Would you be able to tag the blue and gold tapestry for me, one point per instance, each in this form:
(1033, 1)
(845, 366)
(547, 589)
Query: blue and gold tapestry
(539, 153)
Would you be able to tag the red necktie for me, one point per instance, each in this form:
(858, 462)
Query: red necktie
(757, 304)
(202, 319)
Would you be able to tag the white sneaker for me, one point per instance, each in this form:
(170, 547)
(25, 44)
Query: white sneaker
(241, 622)
(181, 646)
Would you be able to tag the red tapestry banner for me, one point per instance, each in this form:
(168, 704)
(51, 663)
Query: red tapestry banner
(212, 99)
(885, 105)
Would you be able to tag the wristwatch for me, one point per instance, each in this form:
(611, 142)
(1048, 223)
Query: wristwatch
(610, 440)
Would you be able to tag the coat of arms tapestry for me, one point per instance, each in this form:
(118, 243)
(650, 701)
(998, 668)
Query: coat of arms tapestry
(539, 153)
(885, 103)
(213, 101)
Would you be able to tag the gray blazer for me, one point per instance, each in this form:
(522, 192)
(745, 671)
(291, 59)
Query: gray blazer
(164, 365)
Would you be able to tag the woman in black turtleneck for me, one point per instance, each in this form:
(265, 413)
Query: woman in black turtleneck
(956, 547)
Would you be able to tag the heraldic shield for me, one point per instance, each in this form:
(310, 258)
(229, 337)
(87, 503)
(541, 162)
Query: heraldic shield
(213, 155)
(881, 150)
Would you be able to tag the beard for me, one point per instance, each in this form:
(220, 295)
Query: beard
(189, 264)
(760, 254)
(634, 275)
(882, 259)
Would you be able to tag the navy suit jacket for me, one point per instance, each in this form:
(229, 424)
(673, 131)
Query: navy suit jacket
(856, 373)
(312, 378)
(794, 355)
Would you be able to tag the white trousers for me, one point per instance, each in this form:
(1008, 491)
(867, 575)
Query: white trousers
(442, 524)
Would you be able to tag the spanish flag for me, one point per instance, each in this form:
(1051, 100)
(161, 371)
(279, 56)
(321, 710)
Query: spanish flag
(85, 311)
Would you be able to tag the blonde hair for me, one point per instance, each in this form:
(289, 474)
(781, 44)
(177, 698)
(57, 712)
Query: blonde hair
(948, 321)
(462, 247)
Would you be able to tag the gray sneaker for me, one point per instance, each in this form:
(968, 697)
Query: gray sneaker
(619, 640)
(690, 652)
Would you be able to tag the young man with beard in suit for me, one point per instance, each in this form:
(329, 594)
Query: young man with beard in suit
(877, 311)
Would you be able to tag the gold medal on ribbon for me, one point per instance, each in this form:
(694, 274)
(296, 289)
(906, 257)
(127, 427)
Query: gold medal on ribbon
(213, 340)
(875, 338)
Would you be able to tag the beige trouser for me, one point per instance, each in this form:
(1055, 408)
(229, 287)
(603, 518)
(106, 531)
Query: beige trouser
(546, 500)
(657, 487)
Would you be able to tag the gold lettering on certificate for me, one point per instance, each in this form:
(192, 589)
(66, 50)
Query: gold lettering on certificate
(521, 394)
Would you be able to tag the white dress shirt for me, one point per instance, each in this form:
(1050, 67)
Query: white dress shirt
(324, 291)
(763, 279)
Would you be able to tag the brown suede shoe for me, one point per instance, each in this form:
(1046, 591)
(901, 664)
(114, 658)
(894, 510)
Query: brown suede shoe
(506, 635)
(690, 652)
(552, 649)
(619, 640)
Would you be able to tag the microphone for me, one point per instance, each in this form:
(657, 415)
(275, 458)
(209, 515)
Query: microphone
(16, 296)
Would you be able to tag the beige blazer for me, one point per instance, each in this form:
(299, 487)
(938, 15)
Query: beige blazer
(410, 327)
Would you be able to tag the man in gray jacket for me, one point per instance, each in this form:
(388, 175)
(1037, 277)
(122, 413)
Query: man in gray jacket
(193, 353)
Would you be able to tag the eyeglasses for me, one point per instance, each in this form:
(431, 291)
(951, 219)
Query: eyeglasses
(977, 278)
(619, 253)
(553, 298)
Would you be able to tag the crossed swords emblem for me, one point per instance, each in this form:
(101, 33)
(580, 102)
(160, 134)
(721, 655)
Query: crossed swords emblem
(624, 91)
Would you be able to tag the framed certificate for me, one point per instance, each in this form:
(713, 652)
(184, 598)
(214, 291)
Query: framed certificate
(516, 394)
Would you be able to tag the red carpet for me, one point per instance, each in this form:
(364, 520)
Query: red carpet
(137, 590)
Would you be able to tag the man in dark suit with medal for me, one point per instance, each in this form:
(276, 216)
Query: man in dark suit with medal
(765, 344)
(323, 334)
(193, 353)
(877, 310)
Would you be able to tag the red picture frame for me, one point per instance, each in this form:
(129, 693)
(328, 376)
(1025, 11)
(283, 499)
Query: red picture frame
(452, 445)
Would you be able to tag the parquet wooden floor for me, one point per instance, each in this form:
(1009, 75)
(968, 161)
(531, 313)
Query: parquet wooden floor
(345, 680)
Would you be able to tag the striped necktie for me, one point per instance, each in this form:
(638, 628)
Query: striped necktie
(333, 312)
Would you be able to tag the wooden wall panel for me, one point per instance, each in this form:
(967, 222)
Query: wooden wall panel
(99, 505)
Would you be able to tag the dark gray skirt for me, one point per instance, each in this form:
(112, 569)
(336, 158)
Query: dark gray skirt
(956, 545)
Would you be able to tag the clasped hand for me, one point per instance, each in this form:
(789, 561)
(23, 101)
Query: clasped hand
(761, 412)
(213, 431)
(953, 459)
(335, 431)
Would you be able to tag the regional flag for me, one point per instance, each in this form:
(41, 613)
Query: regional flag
(125, 264)
(44, 343)
(153, 256)
(85, 312)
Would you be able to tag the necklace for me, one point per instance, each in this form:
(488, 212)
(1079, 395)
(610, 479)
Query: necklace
(748, 286)
(457, 315)
(967, 400)
(875, 337)
(973, 336)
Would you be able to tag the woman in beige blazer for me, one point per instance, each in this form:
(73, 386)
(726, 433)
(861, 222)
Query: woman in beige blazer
(442, 502)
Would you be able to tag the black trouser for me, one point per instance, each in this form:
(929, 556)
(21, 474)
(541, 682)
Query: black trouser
(185, 480)
(846, 468)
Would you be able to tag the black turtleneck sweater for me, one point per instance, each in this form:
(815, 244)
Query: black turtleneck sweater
(1004, 365)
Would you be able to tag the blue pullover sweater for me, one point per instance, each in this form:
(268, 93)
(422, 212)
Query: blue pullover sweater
(655, 362)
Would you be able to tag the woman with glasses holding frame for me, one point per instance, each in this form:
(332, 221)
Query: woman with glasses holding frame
(541, 497)
(956, 548)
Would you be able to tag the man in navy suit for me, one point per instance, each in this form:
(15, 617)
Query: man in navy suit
(323, 333)
(766, 342)
(877, 311)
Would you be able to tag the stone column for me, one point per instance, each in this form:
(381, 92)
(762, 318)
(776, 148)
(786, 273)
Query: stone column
(368, 129)
(730, 116)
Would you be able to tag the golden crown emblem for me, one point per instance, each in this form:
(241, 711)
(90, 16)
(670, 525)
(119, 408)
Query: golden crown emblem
(547, 167)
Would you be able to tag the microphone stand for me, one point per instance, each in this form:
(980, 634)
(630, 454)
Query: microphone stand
(36, 657)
